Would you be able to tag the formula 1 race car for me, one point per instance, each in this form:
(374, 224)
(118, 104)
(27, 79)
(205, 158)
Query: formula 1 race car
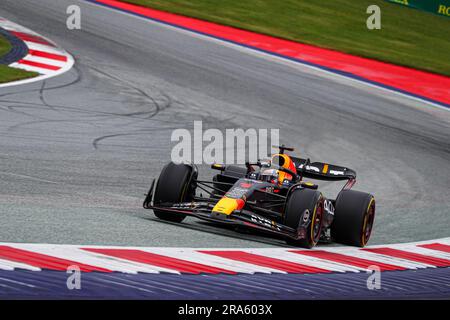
(271, 196)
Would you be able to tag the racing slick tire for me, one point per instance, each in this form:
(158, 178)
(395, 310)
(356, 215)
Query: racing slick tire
(354, 215)
(305, 206)
(174, 185)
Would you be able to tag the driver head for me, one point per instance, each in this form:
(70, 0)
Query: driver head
(270, 175)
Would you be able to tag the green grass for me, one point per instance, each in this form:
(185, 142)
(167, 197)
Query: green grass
(8, 74)
(408, 37)
(5, 46)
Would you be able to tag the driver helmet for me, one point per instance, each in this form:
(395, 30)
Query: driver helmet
(283, 160)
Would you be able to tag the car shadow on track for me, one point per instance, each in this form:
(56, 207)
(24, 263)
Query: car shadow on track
(225, 231)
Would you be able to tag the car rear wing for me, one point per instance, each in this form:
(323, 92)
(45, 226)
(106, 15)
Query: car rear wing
(322, 171)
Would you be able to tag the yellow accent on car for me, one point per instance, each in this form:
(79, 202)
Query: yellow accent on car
(325, 168)
(225, 206)
(313, 220)
(366, 217)
(281, 176)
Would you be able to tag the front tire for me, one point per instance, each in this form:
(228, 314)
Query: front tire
(302, 202)
(174, 186)
(353, 218)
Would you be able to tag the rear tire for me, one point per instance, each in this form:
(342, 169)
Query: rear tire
(353, 218)
(299, 202)
(173, 186)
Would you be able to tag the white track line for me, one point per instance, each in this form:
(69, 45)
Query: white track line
(94, 259)
(51, 62)
(43, 47)
(31, 68)
(408, 264)
(425, 251)
(311, 261)
(11, 265)
(214, 261)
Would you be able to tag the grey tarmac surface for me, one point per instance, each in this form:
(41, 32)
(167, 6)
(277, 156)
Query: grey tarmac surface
(77, 152)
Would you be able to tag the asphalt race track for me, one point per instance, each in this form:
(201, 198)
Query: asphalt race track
(77, 152)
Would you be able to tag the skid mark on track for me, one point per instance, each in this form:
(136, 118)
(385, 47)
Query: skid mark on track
(96, 141)
(147, 115)
(27, 177)
(22, 91)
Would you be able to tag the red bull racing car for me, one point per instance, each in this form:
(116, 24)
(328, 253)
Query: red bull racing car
(271, 196)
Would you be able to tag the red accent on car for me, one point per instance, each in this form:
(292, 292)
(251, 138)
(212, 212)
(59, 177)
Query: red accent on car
(240, 204)
(245, 185)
